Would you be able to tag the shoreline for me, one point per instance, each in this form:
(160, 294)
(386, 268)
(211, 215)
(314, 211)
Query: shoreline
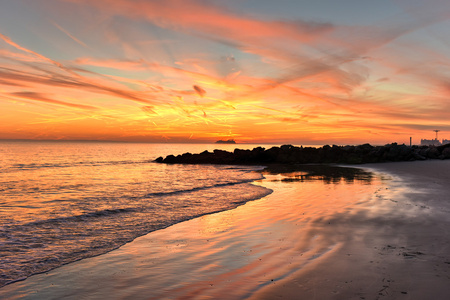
(232, 206)
(318, 257)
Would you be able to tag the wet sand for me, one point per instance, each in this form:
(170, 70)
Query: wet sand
(338, 237)
(398, 249)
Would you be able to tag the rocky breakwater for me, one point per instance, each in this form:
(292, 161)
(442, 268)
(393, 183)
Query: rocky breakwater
(288, 154)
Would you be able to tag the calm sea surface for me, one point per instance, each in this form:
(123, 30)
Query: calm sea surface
(61, 202)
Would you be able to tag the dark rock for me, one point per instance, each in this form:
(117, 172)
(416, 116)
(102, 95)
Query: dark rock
(169, 159)
(417, 156)
(432, 152)
(186, 155)
(286, 147)
(443, 147)
(349, 148)
(288, 154)
(445, 153)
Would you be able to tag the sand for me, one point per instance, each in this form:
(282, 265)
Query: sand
(385, 237)
(402, 253)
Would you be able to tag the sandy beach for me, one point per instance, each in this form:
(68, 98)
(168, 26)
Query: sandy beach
(397, 249)
(363, 237)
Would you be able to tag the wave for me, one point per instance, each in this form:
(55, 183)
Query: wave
(27, 247)
(37, 166)
(115, 211)
(70, 214)
(81, 217)
(176, 192)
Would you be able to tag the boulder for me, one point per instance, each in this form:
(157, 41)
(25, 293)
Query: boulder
(445, 153)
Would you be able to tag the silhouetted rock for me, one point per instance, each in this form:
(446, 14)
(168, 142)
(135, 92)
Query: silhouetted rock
(169, 159)
(445, 153)
(432, 152)
(288, 154)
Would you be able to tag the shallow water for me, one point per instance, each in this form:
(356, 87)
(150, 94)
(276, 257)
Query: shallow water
(60, 202)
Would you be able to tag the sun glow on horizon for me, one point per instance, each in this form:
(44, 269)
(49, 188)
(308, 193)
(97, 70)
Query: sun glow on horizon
(199, 71)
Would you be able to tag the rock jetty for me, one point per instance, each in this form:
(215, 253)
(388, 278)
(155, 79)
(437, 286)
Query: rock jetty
(288, 154)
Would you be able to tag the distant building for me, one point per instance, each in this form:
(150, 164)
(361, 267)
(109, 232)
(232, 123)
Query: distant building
(434, 142)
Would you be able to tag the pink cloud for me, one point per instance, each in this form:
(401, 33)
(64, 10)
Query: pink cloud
(77, 40)
(195, 15)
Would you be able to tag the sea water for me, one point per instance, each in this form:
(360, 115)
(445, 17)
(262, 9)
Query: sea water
(65, 201)
(315, 216)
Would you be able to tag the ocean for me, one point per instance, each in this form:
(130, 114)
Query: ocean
(64, 201)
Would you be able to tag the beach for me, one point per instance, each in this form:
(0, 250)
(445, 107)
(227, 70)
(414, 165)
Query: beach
(400, 252)
(379, 235)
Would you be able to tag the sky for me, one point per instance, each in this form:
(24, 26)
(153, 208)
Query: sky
(257, 71)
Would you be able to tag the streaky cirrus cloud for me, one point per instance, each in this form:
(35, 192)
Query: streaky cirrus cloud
(43, 98)
(157, 70)
(77, 40)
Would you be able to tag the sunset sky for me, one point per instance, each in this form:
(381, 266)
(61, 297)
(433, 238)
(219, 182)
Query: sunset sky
(299, 71)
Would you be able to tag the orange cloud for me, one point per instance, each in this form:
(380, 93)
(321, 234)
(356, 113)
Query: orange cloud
(196, 70)
(39, 97)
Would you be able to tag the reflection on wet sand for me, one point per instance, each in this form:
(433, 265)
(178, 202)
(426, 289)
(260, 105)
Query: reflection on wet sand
(328, 174)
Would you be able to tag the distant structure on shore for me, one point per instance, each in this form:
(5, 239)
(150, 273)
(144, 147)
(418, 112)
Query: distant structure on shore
(230, 141)
(435, 141)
